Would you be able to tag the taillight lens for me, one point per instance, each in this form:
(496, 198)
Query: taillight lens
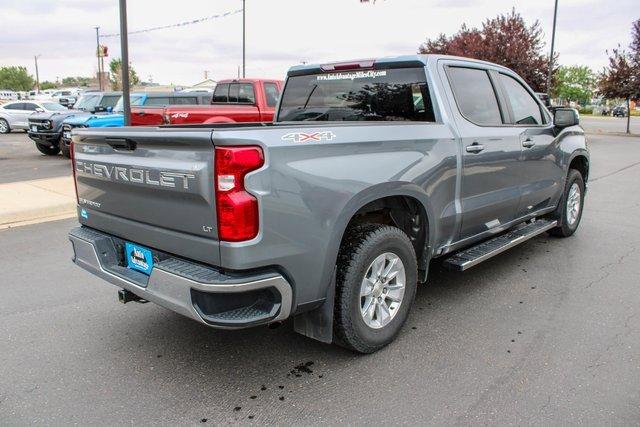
(237, 210)
(72, 156)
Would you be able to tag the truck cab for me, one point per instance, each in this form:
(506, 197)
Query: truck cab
(233, 101)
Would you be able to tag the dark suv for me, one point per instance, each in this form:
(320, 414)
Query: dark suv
(45, 129)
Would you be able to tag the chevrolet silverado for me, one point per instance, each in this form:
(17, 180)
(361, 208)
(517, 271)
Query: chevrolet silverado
(331, 214)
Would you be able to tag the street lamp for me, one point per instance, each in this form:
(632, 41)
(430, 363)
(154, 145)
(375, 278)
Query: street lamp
(243, 40)
(37, 75)
(98, 56)
(124, 48)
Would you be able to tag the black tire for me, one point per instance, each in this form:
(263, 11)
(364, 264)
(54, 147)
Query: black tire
(5, 126)
(360, 247)
(566, 229)
(65, 149)
(48, 150)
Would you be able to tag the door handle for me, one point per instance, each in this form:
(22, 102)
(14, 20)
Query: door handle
(474, 148)
(121, 143)
(528, 143)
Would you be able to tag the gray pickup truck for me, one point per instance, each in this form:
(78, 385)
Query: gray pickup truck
(331, 214)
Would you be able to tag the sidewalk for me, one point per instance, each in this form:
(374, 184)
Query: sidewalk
(29, 202)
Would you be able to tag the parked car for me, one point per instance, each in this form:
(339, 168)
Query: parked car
(331, 214)
(117, 118)
(45, 129)
(8, 95)
(15, 115)
(619, 111)
(242, 100)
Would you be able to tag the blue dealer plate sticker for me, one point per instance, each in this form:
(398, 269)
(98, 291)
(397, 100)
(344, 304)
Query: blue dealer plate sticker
(139, 258)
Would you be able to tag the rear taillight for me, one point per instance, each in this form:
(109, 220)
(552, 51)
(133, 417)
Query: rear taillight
(237, 210)
(72, 156)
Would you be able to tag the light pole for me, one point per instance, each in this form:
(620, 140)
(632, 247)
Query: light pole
(98, 56)
(243, 40)
(37, 74)
(124, 52)
(553, 40)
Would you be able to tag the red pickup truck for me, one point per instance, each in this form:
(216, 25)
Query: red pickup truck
(238, 100)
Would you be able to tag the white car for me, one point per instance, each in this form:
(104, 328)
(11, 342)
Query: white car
(15, 115)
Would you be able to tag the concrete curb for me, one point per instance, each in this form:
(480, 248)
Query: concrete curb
(29, 202)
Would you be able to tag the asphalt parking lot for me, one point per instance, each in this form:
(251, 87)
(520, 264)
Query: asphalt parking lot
(545, 334)
(21, 161)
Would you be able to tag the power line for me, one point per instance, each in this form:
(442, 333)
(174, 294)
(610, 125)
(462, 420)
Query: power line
(180, 24)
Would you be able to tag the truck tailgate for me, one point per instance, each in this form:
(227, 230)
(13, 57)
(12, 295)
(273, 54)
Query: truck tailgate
(152, 186)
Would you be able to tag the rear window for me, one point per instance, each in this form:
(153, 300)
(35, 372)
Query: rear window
(375, 95)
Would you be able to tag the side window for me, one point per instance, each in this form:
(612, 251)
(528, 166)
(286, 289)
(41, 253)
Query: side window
(246, 94)
(526, 110)
(272, 94)
(158, 101)
(109, 101)
(14, 106)
(30, 106)
(221, 94)
(475, 95)
(185, 100)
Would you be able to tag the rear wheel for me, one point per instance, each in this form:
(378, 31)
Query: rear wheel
(375, 286)
(4, 126)
(48, 150)
(569, 212)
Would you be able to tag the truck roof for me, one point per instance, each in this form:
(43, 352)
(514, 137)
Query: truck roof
(247, 81)
(383, 62)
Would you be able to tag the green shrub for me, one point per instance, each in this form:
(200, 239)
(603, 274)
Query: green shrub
(586, 110)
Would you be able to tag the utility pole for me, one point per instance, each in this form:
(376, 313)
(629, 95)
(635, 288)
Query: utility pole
(37, 75)
(553, 40)
(124, 52)
(98, 56)
(244, 52)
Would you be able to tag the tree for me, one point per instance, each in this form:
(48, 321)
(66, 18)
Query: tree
(115, 66)
(504, 40)
(575, 83)
(78, 81)
(16, 79)
(621, 78)
(47, 85)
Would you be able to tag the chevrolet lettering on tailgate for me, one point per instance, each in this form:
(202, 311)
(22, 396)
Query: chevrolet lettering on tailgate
(136, 175)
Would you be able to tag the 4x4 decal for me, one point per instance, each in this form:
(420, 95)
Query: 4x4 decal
(308, 137)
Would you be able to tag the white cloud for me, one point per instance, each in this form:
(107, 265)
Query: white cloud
(280, 33)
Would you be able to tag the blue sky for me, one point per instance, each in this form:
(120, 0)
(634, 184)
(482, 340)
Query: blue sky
(281, 33)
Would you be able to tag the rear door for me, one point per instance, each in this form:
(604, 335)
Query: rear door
(151, 186)
(542, 176)
(16, 114)
(490, 187)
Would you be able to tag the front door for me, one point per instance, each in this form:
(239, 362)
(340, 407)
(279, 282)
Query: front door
(543, 177)
(490, 187)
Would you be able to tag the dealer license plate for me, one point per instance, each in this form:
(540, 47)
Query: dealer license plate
(138, 258)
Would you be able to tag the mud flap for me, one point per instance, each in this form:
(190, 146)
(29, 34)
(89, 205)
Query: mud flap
(318, 323)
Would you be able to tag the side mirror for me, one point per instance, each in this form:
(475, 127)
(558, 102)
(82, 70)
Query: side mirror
(109, 109)
(565, 117)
